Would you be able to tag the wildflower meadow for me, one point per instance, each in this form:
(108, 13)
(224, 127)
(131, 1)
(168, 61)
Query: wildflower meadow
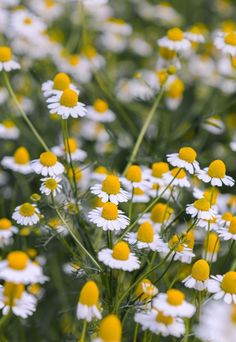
(117, 171)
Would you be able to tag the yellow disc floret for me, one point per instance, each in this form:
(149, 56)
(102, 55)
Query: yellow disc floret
(178, 173)
(110, 329)
(200, 270)
(5, 224)
(217, 169)
(167, 53)
(69, 98)
(27, 210)
(164, 319)
(61, 81)
(145, 290)
(145, 232)
(212, 244)
(175, 297)
(71, 145)
(159, 168)
(110, 211)
(89, 294)
(232, 226)
(175, 89)
(17, 260)
(51, 184)
(187, 154)
(100, 106)
(134, 173)
(5, 54)
(175, 34)
(229, 282)
(12, 292)
(161, 212)
(175, 244)
(111, 185)
(48, 159)
(121, 251)
(230, 39)
(21, 156)
(202, 204)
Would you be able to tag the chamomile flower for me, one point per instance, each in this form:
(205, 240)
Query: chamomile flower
(6, 61)
(228, 233)
(71, 148)
(182, 251)
(119, 257)
(110, 330)
(211, 224)
(50, 185)
(20, 162)
(177, 177)
(100, 173)
(226, 43)
(100, 112)
(147, 238)
(110, 190)
(136, 178)
(47, 9)
(145, 291)
(67, 104)
(157, 172)
(87, 307)
(159, 216)
(174, 40)
(174, 92)
(223, 287)
(7, 230)
(47, 165)
(139, 196)
(26, 214)
(56, 224)
(216, 174)
(173, 303)
(8, 130)
(56, 86)
(211, 248)
(19, 269)
(195, 34)
(13, 297)
(109, 217)
(185, 158)
(201, 209)
(225, 219)
(95, 60)
(199, 277)
(159, 323)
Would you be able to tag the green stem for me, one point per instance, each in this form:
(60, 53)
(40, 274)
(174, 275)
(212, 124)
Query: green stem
(82, 338)
(135, 332)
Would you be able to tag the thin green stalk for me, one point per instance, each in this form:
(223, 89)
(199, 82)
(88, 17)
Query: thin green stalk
(136, 332)
(83, 335)
(23, 114)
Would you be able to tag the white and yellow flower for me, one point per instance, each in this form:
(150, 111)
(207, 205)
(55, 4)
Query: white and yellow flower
(159, 216)
(7, 230)
(185, 158)
(47, 165)
(135, 178)
(216, 174)
(87, 307)
(100, 112)
(56, 86)
(226, 43)
(71, 148)
(195, 34)
(199, 277)
(110, 330)
(26, 214)
(201, 209)
(50, 185)
(223, 287)
(6, 61)
(175, 40)
(228, 233)
(177, 177)
(19, 162)
(8, 130)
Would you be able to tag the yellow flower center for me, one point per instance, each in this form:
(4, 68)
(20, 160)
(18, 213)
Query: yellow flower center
(5, 54)
(34, 289)
(100, 106)
(189, 239)
(110, 211)
(228, 26)
(178, 173)
(110, 329)
(229, 282)
(27, 210)
(74, 60)
(161, 76)
(187, 154)
(161, 318)
(145, 290)
(61, 81)
(211, 195)
(145, 232)
(5, 224)
(27, 21)
(121, 251)
(51, 184)
(134, 173)
(175, 89)
(167, 53)
(160, 213)
(175, 297)
(175, 34)
(232, 226)
(12, 292)
(227, 216)
(159, 168)
(78, 174)
(196, 30)
(174, 243)
(111, 185)
(17, 260)
(233, 314)
(69, 98)
(48, 159)
(71, 145)
(90, 51)
(49, 3)
(202, 204)
(8, 124)
(138, 191)
(101, 170)
(21, 156)
(230, 39)
(89, 294)
(200, 270)
(217, 169)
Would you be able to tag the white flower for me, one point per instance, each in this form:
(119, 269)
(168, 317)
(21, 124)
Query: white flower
(67, 104)
(47, 165)
(20, 162)
(26, 214)
(109, 217)
(76, 154)
(135, 178)
(156, 174)
(7, 230)
(185, 158)
(215, 174)
(110, 190)
(50, 186)
(8, 130)
(100, 112)
(201, 209)
(56, 86)
(139, 196)
(223, 287)
(195, 35)
(199, 277)
(87, 307)
(119, 257)
(6, 61)
(226, 43)
(159, 216)
(177, 177)
(175, 40)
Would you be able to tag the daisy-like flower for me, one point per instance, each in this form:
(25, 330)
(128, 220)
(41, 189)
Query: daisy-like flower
(178, 177)
(67, 104)
(50, 185)
(7, 230)
(100, 112)
(139, 196)
(212, 224)
(185, 158)
(159, 323)
(173, 303)
(8, 130)
(225, 219)
(100, 173)
(160, 215)
(156, 173)
(226, 43)
(94, 60)
(110, 330)
(14, 297)
(6, 61)
(195, 34)
(135, 178)
(56, 86)
(19, 269)
(216, 174)
(20, 162)
(119, 257)
(201, 209)
(147, 238)
(211, 247)
(174, 40)
(47, 165)
(26, 214)
(174, 92)
(109, 217)
(199, 277)
(223, 287)
(56, 224)
(228, 233)
(145, 291)
(182, 251)
(87, 307)
(70, 148)
(110, 190)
